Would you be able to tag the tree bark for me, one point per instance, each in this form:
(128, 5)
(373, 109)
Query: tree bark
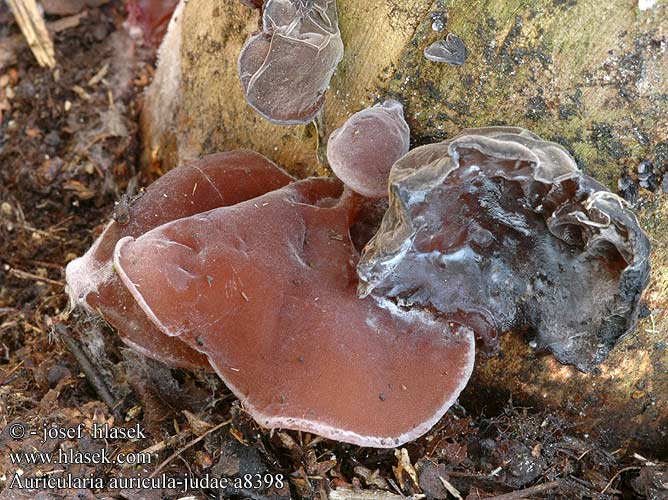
(591, 75)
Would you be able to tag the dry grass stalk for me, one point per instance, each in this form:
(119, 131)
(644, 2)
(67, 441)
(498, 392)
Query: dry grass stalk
(33, 27)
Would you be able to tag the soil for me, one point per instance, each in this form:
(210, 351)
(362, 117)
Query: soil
(68, 151)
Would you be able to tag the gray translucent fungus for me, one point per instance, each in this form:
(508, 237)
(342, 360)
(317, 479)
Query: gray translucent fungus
(438, 21)
(362, 152)
(498, 230)
(286, 69)
(451, 50)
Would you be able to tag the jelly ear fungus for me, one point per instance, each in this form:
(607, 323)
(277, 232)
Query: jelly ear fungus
(498, 229)
(362, 151)
(213, 181)
(286, 69)
(274, 308)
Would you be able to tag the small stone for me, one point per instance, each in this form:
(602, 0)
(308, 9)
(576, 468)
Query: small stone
(70, 256)
(57, 373)
(645, 167)
(100, 32)
(52, 138)
(26, 90)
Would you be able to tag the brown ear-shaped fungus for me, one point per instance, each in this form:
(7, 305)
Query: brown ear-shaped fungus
(286, 69)
(214, 181)
(267, 290)
(362, 152)
(498, 229)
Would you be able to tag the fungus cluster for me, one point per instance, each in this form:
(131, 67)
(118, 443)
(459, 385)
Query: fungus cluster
(214, 181)
(211, 280)
(229, 263)
(286, 69)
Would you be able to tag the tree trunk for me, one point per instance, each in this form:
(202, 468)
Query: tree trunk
(591, 75)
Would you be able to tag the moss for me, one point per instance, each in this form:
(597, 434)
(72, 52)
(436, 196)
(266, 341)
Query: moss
(556, 73)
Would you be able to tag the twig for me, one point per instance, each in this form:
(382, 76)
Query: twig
(92, 374)
(525, 493)
(351, 494)
(50, 265)
(10, 45)
(32, 25)
(451, 489)
(6, 379)
(646, 462)
(162, 445)
(65, 23)
(166, 443)
(30, 276)
(625, 469)
(189, 445)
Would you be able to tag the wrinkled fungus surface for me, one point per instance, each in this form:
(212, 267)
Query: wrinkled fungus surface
(285, 70)
(362, 152)
(214, 181)
(498, 229)
(451, 50)
(274, 306)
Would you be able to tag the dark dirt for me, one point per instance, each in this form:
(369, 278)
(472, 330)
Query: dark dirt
(68, 151)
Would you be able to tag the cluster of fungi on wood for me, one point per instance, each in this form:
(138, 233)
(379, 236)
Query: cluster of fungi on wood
(493, 230)
(377, 284)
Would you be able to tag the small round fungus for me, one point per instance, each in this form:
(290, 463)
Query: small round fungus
(362, 152)
(286, 69)
(214, 181)
(498, 229)
(275, 309)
